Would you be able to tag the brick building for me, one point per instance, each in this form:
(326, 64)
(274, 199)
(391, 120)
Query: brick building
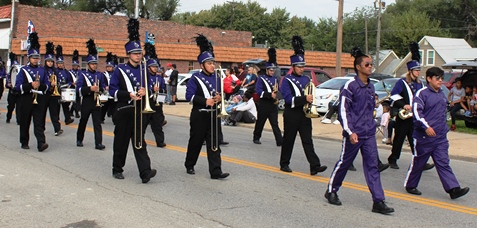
(174, 41)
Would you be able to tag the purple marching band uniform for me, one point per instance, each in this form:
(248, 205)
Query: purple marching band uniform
(76, 106)
(65, 80)
(12, 98)
(356, 116)
(429, 109)
(108, 106)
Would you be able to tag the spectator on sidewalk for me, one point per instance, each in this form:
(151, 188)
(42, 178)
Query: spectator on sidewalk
(237, 100)
(456, 97)
(332, 110)
(245, 112)
(173, 77)
(241, 74)
(166, 76)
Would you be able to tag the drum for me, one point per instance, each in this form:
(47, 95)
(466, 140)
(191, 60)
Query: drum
(103, 98)
(68, 95)
(161, 97)
(13, 74)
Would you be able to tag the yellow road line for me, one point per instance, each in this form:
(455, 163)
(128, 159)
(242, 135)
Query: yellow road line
(359, 187)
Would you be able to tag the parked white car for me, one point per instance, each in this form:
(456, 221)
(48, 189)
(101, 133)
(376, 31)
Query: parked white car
(182, 85)
(329, 91)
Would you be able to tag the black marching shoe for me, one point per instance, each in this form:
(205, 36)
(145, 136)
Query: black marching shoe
(351, 167)
(382, 167)
(428, 166)
(59, 132)
(100, 146)
(77, 115)
(256, 141)
(8, 121)
(220, 176)
(224, 142)
(161, 145)
(42, 147)
(458, 192)
(79, 144)
(190, 171)
(118, 176)
(332, 198)
(413, 191)
(286, 169)
(393, 166)
(382, 208)
(318, 170)
(25, 146)
(150, 175)
(69, 121)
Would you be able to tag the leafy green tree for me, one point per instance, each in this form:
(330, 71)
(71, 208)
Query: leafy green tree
(41, 3)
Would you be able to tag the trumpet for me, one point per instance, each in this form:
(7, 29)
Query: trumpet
(147, 108)
(96, 94)
(54, 79)
(275, 90)
(156, 93)
(35, 95)
(310, 109)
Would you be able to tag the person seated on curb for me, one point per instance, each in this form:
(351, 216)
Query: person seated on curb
(332, 109)
(245, 112)
(237, 100)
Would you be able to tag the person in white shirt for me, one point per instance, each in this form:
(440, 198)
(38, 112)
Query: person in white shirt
(167, 76)
(245, 112)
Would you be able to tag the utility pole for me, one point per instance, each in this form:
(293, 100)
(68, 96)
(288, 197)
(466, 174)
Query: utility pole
(378, 36)
(339, 40)
(366, 33)
(136, 9)
(233, 11)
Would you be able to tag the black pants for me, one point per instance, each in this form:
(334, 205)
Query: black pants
(27, 110)
(267, 110)
(89, 108)
(123, 133)
(76, 107)
(403, 129)
(332, 109)
(108, 108)
(52, 104)
(242, 116)
(66, 110)
(453, 111)
(203, 127)
(2, 87)
(296, 121)
(155, 119)
(391, 126)
(12, 100)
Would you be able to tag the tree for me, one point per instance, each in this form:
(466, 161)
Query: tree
(41, 3)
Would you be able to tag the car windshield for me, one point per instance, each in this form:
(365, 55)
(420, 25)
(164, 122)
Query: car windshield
(388, 84)
(335, 83)
(193, 71)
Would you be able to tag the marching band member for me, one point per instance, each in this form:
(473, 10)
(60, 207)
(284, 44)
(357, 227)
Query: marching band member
(65, 81)
(75, 72)
(108, 105)
(294, 119)
(359, 129)
(157, 85)
(32, 83)
(12, 98)
(203, 93)
(90, 84)
(3, 75)
(125, 80)
(267, 109)
(52, 102)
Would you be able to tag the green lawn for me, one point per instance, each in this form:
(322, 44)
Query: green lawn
(462, 128)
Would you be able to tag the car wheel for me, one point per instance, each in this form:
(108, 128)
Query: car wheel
(281, 104)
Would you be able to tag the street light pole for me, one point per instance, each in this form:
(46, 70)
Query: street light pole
(339, 40)
(378, 37)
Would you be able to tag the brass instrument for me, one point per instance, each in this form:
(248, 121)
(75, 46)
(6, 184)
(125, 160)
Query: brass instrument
(214, 141)
(54, 79)
(96, 94)
(147, 107)
(35, 95)
(310, 109)
(223, 112)
(275, 90)
(156, 93)
(404, 114)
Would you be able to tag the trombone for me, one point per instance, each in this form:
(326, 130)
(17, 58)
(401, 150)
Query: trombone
(96, 94)
(214, 140)
(147, 108)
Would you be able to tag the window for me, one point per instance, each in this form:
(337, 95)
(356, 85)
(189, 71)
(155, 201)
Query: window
(321, 77)
(121, 60)
(84, 65)
(421, 53)
(191, 65)
(430, 57)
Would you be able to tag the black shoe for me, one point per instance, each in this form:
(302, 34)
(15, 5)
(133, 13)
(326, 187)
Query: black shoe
(393, 166)
(332, 198)
(382, 167)
(428, 166)
(190, 171)
(256, 141)
(203, 143)
(382, 208)
(42, 147)
(59, 132)
(286, 169)
(77, 115)
(164, 123)
(72, 114)
(69, 121)
(221, 176)
(223, 142)
(79, 143)
(8, 121)
(161, 145)
(413, 191)
(150, 175)
(279, 144)
(315, 171)
(118, 176)
(458, 192)
(352, 168)
(100, 146)
(172, 103)
(25, 146)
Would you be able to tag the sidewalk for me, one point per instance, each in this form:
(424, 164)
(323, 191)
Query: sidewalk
(462, 146)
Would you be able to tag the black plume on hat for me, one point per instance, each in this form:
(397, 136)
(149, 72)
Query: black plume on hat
(109, 57)
(75, 55)
(91, 47)
(50, 48)
(115, 60)
(297, 44)
(13, 57)
(356, 52)
(33, 38)
(133, 29)
(150, 50)
(59, 51)
(415, 55)
(204, 44)
(272, 55)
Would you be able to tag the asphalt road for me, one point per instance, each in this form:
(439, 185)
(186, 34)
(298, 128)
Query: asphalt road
(68, 186)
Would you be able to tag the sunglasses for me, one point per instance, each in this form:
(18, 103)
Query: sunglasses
(439, 77)
(368, 65)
